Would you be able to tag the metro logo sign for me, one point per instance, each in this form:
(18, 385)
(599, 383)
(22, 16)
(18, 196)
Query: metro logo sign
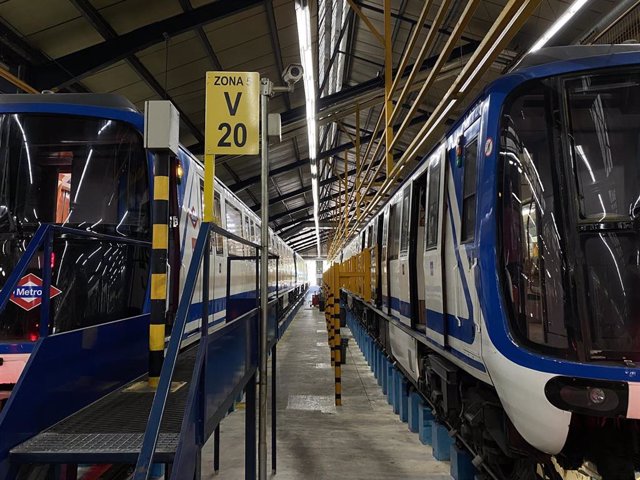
(28, 293)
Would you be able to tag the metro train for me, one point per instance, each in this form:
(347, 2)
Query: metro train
(506, 268)
(77, 160)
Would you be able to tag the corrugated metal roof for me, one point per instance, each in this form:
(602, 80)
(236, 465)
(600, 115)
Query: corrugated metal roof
(244, 41)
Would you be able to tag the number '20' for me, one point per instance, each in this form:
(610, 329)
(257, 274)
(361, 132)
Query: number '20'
(239, 134)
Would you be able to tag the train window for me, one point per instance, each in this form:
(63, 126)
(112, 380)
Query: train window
(234, 225)
(370, 236)
(394, 231)
(404, 234)
(530, 237)
(217, 213)
(433, 202)
(604, 129)
(84, 173)
(469, 191)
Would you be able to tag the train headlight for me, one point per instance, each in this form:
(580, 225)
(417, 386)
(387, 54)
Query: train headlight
(597, 395)
(588, 396)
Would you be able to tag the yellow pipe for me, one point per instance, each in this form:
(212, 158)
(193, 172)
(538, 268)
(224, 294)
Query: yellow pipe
(366, 20)
(511, 19)
(432, 35)
(457, 32)
(11, 78)
(388, 81)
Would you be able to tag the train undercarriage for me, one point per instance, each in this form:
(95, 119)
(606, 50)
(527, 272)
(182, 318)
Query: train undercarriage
(474, 415)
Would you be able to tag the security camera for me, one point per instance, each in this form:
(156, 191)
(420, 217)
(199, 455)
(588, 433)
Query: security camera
(292, 74)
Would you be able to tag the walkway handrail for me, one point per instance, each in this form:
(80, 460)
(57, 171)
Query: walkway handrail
(158, 406)
(41, 234)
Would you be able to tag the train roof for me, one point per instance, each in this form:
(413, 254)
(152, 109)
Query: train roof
(572, 53)
(104, 105)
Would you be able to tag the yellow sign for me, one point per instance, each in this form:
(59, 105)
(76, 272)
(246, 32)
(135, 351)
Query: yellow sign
(232, 113)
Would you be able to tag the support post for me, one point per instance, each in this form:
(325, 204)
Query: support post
(273, 408)
(265, 92)
(159, 245)
(249, 432)
(337, 342)
(45, 309)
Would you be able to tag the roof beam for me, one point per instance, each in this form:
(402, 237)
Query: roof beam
(275, 43)
(303, 190)
(215, 62)
(364, 139)
(97, 21)
(301, 208)
(78, 65)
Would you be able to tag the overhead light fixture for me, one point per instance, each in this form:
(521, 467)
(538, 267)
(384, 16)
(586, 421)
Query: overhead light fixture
(303, 19)
(557, 26)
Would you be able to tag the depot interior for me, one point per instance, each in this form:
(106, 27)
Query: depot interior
(356, 81)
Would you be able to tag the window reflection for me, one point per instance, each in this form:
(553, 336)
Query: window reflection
(531, 242)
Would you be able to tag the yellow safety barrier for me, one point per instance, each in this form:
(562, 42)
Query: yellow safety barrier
(355, 276)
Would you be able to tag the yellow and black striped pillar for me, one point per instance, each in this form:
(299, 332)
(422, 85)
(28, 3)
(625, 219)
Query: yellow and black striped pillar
(337, 347)
(329, 316)
(159, 245)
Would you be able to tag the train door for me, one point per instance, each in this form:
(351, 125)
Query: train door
(403, 292)
(378, 228)
(416, 253)
(458, 324)
(433, 258)
(393, 254)
(384, 262)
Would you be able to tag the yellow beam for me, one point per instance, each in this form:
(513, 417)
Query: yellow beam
(428, 43)
(512, 17)
(366, 21)
(388, 82)
(11, 78)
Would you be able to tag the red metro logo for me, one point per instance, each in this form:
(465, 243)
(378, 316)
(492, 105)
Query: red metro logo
(28, 293)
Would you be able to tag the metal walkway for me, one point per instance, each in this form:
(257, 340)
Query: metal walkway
(112, 429)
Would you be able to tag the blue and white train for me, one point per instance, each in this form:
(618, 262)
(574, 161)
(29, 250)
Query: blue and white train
(508, 265)
(77, 160)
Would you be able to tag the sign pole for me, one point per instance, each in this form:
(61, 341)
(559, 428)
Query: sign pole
(265, 93)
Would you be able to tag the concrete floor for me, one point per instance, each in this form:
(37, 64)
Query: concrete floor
(363, 439)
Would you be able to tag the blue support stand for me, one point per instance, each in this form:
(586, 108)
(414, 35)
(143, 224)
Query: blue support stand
(385, 374)
(397, 385)
(414, 407)
(441, 442)
(374, 365)
(403, 399)
(390, 383)
(380, 366)
(461, 464)
(425, 421)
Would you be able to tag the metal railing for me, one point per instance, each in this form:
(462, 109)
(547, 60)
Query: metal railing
(43, 239)
(196, 405)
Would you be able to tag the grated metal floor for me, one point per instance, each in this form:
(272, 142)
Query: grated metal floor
(112, 428)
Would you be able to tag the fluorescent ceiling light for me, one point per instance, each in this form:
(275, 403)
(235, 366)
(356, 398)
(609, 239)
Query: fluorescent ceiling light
(561, 22)
(303, 19)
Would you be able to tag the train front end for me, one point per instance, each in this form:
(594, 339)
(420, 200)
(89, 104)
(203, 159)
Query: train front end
(568, 256)
(74, 216)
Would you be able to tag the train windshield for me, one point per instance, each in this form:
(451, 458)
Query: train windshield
(570, 216)
(82, 173)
